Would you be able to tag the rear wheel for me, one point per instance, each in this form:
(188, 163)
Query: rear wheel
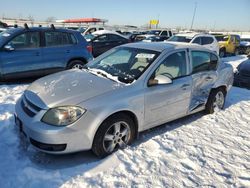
(76, 64)
(222, 52)
(216, 100)
(114, 133)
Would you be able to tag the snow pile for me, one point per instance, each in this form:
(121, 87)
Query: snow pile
(234, 60)
(199, 150)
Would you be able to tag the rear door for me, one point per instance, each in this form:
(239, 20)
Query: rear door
(167, 102)
(204, 76)
(100, 44)
(25, 60)
(56, 51)
(116, 40)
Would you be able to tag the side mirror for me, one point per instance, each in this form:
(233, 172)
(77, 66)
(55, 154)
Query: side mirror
(9, 48)
(159, 80)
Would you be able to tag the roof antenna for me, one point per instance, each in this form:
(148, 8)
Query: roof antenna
(52, 26)
(40, 25)
(26, 26)
(15, 26)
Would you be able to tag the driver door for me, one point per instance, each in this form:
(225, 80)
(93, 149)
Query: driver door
(25, 58)
(166, 102)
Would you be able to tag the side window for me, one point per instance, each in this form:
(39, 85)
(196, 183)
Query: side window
(164, 33)
(26, 40)
(213, 62)
(197, 40)
(101, 38)
(72, 39)
(206, 40)
(54, 38)
(200, 61)
(170, 33)
(115, 38)
(101, 28)
(173, 66)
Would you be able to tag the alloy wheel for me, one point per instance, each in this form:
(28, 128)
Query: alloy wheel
(219, 101)
(117, 136)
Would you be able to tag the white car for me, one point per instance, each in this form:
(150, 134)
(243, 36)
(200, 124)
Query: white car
(206, 40)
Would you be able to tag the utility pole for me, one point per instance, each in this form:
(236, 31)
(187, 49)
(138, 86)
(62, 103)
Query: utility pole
(195, 6)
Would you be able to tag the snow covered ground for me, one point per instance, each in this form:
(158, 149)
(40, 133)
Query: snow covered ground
(196, 151)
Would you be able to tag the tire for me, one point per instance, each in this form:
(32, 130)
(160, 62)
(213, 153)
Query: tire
(247, 52)
(236, 51)
(75, 64)
(216, 100)
(222, 52)
(115, 132)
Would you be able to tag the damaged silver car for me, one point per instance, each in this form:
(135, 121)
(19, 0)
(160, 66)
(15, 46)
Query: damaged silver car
(128, 89)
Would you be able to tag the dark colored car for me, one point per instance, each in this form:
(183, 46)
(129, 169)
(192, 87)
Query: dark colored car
(104, 42)
(32, 52)
(242, 75)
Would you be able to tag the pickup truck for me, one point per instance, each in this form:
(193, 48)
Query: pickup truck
(229, 44)
(129, 89)
(150, 35)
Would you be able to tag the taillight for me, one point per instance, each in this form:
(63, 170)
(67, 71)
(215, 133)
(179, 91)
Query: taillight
(90, 48)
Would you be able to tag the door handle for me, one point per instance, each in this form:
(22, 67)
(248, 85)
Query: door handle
(185, 86)
(37, 53)
(67, 51)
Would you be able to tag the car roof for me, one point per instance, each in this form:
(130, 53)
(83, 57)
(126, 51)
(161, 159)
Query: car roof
(101, 32)
(193, 34)
(161, 46)
(21, 29)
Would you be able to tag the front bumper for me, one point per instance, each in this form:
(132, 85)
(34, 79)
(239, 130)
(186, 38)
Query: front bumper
(51, 139)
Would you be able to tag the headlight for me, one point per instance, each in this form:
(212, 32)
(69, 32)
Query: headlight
(63, 115)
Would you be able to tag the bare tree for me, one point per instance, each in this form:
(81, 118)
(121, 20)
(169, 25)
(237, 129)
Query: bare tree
(31, 19)
(50, 19)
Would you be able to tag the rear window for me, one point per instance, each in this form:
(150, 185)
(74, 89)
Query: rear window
(54, 38)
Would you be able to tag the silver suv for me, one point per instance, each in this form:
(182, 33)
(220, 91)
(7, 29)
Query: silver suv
(128, 89)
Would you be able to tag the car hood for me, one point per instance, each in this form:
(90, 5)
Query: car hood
(68, 88)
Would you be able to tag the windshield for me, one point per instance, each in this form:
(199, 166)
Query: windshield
(153, 32)
(81, 29)
(123, 64)
(176, 38)
(222, 38)
(89, 37)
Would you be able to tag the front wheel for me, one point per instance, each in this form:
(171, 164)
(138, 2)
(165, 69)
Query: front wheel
(215, 101)
(76, 64)
(114, 133)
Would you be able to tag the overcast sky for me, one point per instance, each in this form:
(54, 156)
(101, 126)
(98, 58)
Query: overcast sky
(210, 14)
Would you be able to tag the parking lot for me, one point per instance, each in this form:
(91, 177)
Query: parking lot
(169, 155)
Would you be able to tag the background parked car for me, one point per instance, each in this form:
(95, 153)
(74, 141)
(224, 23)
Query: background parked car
(161, 35)
(242, 75)
(206, 40)
(229, 44)
(105, 40)
(32, 52)
(244, 47)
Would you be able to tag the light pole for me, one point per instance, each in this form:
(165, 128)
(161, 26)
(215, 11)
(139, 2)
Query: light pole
(195, 6)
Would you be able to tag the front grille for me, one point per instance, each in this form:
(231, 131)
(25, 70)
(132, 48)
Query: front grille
(29, 108)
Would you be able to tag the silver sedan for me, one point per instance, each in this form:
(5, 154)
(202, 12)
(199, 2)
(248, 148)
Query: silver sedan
(127, 90)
